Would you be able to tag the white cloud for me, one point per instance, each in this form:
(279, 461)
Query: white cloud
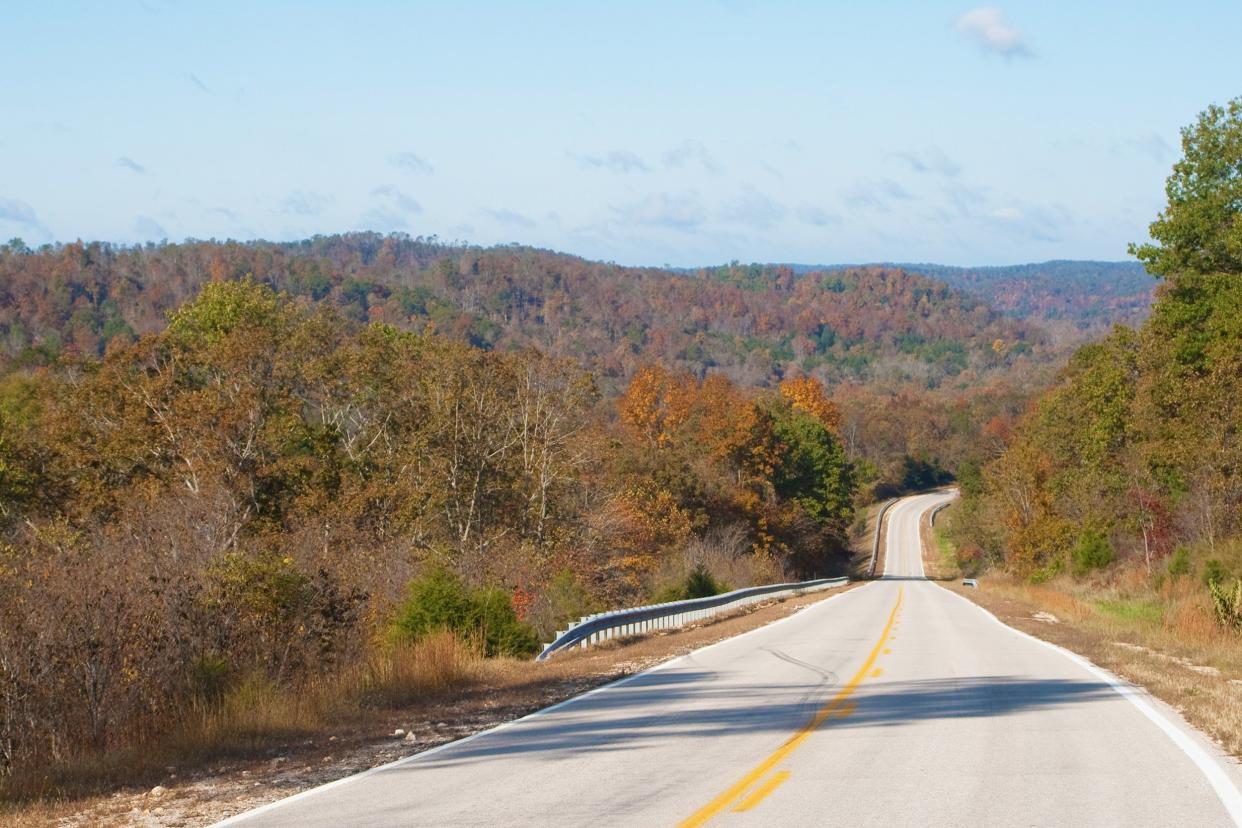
(753, 209)
(304, 203)
(987, 27)
(511, 218)
(676, 212)
(817, 216)
(966, 200)
(130, 164)
(690, 152)
(196, 83)
(383, 219)
(18, 212)
(397, 199)
(1151, 145)
(875, 194)
(390, 210)
(617, 161)
(148, 229)
(412, 162)
(1034, 222)
(931, 160)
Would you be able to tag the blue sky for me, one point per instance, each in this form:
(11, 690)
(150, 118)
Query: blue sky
(642, 132)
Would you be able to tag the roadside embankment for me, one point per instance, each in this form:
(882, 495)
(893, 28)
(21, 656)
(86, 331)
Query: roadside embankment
(479, 694)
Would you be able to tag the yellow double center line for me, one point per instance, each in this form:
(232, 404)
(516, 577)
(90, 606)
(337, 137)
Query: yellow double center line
(836, 705)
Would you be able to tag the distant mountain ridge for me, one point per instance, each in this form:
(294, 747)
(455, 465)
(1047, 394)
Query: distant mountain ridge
(1075, 298)
(755, 323)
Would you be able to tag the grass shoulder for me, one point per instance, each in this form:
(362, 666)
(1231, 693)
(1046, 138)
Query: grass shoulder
(939, 554)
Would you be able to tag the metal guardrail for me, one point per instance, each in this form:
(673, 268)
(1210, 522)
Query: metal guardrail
(592, 629)
(875, 544)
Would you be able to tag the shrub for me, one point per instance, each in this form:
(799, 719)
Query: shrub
(969, 558)
(701, 584)
(698, 584)
(1093, 551)
(1213, 571)
(438, 600)
(1179, 563)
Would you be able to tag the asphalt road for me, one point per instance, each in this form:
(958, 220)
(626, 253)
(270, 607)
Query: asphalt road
(898, 703)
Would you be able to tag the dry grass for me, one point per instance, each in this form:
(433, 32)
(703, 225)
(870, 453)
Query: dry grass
(257, 714)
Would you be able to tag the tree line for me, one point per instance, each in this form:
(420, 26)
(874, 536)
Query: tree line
(914, 366)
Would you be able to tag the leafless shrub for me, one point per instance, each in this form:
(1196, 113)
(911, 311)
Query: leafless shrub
(725, 552)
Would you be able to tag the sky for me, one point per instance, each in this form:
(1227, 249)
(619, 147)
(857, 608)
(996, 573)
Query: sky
(658, 133)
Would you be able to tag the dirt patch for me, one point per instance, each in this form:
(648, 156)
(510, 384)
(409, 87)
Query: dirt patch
(201, 796)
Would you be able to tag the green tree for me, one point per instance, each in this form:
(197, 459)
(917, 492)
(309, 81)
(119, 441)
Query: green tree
(813, 469)
(1199, 231)
(1092, 551)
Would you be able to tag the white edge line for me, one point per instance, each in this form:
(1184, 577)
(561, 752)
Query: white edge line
(1224, 787)
(238, 819)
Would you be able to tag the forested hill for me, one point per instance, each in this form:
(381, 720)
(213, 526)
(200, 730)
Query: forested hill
(754, 323)
(1076, 299)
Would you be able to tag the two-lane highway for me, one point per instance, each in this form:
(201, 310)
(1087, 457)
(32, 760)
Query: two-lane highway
(898, 703)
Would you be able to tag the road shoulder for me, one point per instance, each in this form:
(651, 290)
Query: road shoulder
(1209, 699)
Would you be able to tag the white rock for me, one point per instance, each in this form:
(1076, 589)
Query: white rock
(399, 732)
(159, 790)
(410, 737)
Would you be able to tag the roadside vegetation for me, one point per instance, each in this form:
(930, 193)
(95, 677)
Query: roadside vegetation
(266, 743)
(940, 559)
(266, 515)
(1115, 502)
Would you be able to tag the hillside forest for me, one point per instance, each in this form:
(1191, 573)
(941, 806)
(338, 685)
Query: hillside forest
(1127, 473)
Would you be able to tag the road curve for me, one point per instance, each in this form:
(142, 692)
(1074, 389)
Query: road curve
(898, 703)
